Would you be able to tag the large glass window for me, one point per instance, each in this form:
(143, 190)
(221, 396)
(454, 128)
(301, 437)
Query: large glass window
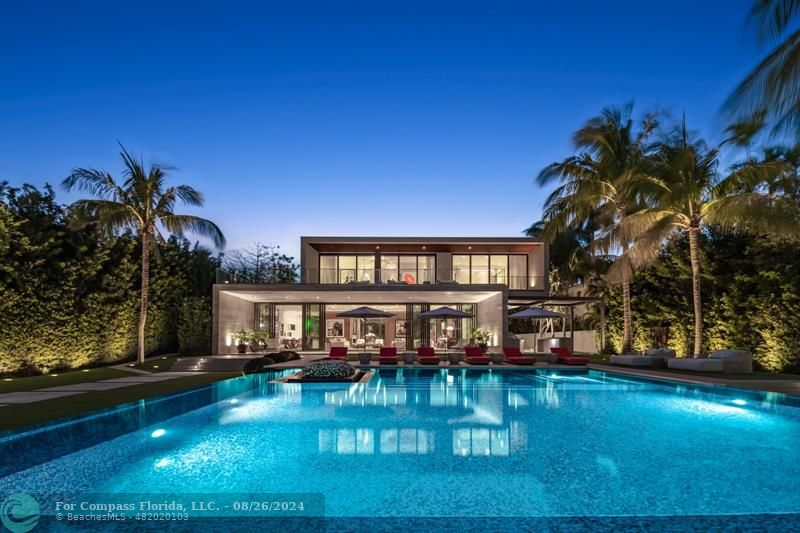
(498, 269)
(461, 269)
(480, 269)
(265, 319)
(311, 326)
(408, 269)
(426, 268)
(347, 268)
(389, 268)
(366, 268)
(328, 269)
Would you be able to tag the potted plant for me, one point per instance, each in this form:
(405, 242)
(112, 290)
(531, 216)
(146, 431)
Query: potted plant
(257, 341)
(481, 337)
(241, 338)
(364, 358)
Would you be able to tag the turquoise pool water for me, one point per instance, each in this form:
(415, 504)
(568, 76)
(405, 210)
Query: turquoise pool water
(439, 443)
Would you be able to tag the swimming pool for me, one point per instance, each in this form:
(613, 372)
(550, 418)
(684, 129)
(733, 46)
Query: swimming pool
(447, 442)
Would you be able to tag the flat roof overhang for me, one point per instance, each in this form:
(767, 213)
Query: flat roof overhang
(366, 294)
(422, 244)
(526, 300)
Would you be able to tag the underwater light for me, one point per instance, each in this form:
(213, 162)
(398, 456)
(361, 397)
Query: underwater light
(158, 433)
(739, 402)
(234, 401)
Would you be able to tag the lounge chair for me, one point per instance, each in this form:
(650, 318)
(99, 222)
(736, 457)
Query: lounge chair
(427, 356)
(566, 357)
(727, 361)
(474, 356)
(652, 358)
(338, 352)
(388, 356)
(514, 356)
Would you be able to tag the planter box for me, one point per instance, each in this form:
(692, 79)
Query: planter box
(355, 378)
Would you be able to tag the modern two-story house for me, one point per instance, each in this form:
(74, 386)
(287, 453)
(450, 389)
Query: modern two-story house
(402, 276)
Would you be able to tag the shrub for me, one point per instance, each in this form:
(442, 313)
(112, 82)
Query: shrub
(329, 369)
(285, 355)
(194, 326)
(257, 365)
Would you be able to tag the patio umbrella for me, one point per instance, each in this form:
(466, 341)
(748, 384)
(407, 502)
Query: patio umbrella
(445, 312)
(535, 313)
(364, 313)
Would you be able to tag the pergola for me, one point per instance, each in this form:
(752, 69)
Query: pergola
(566, 301)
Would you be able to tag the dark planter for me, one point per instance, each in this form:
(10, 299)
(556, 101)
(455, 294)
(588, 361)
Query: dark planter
(454, 358)
(241, 348)
(364, 358)
(409, 358)
(484, 347)
(497, 358)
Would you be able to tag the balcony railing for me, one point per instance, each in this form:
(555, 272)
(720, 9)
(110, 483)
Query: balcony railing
(440, 276)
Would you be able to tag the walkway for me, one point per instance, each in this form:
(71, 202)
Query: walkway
(50, 393)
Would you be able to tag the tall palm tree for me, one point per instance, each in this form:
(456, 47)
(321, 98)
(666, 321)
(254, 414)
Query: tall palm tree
(595, 188)
(140, 202)
(685, 192)
(772, 88)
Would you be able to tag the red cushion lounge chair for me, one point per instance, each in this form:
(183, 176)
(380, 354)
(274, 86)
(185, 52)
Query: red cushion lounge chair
(566, 357)
(514, 356)
(427, 356)
(338, 352)
(388, 356)
(475, 356)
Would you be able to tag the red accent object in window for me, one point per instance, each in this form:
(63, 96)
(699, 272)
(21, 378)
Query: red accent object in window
(410, 279)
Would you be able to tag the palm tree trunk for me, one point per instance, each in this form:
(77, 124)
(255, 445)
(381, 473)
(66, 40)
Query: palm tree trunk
(627, 327)
(145, 291)
(698, 306)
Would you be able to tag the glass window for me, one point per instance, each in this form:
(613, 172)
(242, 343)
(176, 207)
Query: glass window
(311, 340)
(461, 268)
(408, 269)
(366, 268)
(480, 269)
(328, 269)
(347, 268)
(426, 265)
(389, 267)
(264, 319)
(518, 271)
(498, 269)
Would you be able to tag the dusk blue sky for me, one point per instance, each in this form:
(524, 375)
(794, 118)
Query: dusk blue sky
(350, 118)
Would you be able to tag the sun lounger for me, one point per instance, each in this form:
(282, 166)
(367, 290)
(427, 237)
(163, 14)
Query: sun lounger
(427, 356)
(474, 356)
(514, 356)
(338, 352)
(388, 356)
(566, 357)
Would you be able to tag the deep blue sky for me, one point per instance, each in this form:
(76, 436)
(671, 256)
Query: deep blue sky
(384, 118)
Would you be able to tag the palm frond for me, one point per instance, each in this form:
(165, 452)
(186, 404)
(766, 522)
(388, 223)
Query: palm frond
(182, 224)
(754, 211)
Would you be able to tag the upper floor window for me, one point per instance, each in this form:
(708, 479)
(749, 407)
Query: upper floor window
(506, 269)
(346, 268)
(352, 268)
(411, 269)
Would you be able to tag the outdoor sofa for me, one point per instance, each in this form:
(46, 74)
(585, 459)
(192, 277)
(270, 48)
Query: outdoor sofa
(727, 361)
(652, 358)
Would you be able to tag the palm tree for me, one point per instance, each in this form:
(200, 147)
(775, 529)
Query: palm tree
(143, 203)
(772, 88)
(595, 189)
(684, 192)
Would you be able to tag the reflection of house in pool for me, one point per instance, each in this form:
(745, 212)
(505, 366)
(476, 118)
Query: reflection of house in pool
(404, 276)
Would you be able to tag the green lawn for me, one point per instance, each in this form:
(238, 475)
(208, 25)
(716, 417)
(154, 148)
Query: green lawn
(14, 416)
(161, 363)
(58, 378)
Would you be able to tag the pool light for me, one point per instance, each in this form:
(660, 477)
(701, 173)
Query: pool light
(234, 401)
(738, 402)
(158, 433)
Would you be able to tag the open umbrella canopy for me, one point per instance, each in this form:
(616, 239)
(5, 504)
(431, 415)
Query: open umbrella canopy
(364, 312)
(445, 312)
(535, 312)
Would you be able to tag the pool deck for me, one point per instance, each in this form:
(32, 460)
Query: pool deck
(789, 387)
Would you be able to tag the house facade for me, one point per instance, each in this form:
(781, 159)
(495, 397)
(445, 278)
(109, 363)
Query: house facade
(403, 276)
